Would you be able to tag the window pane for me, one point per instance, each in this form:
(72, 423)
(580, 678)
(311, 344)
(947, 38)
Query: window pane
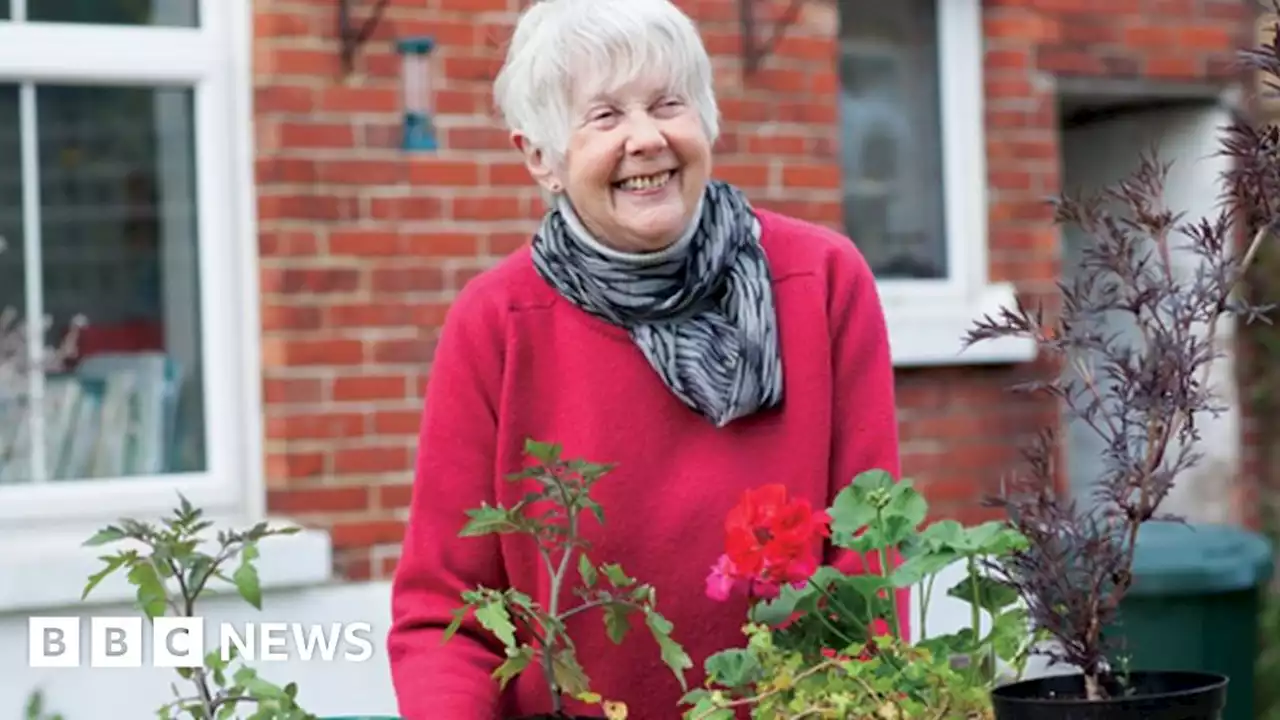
(891, 140)
(119, 248)
(169, 13)
(13, 288)
(5, 12)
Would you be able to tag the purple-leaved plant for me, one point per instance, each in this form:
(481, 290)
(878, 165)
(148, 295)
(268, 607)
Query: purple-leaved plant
(1142, 401)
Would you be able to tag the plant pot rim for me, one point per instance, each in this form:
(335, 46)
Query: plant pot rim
(1198, 682)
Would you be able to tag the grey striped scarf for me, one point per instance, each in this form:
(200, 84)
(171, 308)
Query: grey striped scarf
(701, 312)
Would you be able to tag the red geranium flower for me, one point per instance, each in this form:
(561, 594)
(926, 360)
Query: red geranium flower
(769, 540)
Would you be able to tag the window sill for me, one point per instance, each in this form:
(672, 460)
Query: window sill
(41, 571)
(928, 330)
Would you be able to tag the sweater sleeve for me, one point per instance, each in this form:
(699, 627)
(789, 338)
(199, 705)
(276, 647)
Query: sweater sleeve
(454, 472)
(865, 425)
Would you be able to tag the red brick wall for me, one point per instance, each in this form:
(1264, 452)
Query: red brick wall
(362, 246)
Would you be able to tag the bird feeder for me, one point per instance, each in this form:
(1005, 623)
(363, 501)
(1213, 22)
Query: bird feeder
(416, 93)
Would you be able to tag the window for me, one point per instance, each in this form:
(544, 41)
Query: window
(123, 168)
(914, 172)
(891, 139)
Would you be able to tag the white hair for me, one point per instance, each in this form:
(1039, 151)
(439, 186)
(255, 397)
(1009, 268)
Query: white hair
(562, 45)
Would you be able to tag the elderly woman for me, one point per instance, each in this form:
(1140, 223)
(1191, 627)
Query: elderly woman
(656, 321)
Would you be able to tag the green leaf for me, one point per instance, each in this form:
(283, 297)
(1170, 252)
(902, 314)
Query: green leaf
(616, 576)
(989, 594)
(113, 563)
(246, 580)
(875, 479)
(587, 571)
(459, 614)
(595, 509)
(906, 505)
(104, 536)
(672, 653)
(918, 567)
(705, 707)
(616, 621)
(736, 668)
(777, 610)
(945, 535)
(486, 520)
(995, 538)
(494, 617)
(850, 512)
(199, 570)
(569, 675)
(518, 658)
(961, 642)
(1010, 633)
(151, 594)
(546, 453)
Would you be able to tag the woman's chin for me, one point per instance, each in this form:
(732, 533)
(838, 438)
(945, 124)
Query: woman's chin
(655, 233)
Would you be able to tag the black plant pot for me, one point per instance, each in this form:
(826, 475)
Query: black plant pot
(1171, 695)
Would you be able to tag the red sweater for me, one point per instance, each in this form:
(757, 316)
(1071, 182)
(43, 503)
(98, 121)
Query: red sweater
(517, 361)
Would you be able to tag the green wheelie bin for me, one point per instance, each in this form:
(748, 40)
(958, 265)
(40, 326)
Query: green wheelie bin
(1194, 604)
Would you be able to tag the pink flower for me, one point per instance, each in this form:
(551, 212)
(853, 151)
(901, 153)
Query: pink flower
(725, 579)
(722, 580)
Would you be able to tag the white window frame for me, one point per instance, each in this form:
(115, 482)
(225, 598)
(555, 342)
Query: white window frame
(928, 319)
(43, 526)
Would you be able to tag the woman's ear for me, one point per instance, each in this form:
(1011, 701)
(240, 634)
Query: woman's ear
(536, 161)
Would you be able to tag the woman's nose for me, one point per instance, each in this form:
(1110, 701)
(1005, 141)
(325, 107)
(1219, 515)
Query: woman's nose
(644, 136)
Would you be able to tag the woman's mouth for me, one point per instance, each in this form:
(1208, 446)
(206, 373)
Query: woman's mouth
(644, 184)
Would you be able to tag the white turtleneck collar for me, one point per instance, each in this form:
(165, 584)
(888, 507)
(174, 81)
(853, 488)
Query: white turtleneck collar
(580, 233)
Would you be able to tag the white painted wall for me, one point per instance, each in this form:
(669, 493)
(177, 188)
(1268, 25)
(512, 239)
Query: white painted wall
(1104, 153)
(326, 688)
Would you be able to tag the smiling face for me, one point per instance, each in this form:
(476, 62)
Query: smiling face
(635, 166)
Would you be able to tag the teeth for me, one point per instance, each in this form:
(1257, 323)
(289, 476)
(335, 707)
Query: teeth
(647, 182)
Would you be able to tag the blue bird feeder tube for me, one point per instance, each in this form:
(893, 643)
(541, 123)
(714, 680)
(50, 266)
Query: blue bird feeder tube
(416, 92)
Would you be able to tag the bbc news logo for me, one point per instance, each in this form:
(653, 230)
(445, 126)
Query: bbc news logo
(180, 642)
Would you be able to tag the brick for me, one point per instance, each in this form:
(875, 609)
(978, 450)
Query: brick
(348, 99)
(314, 425)
(290, 317)
(365, 533)
(370, 460)
(369, 315)
(302, 280)
(406, 208)
(317, 134)
(287, 243)
(389, 497)
(295, 465)
(401, 352)
(494, 207)
(284, 99)
(406, 279)
(284, 391)
(370, 387)
(446, 244)
(365, 243)
(434, 171)
(313, 500)
(295, 352)
(298, 206)
(397, 422)
(360, 172)
(808, 176)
